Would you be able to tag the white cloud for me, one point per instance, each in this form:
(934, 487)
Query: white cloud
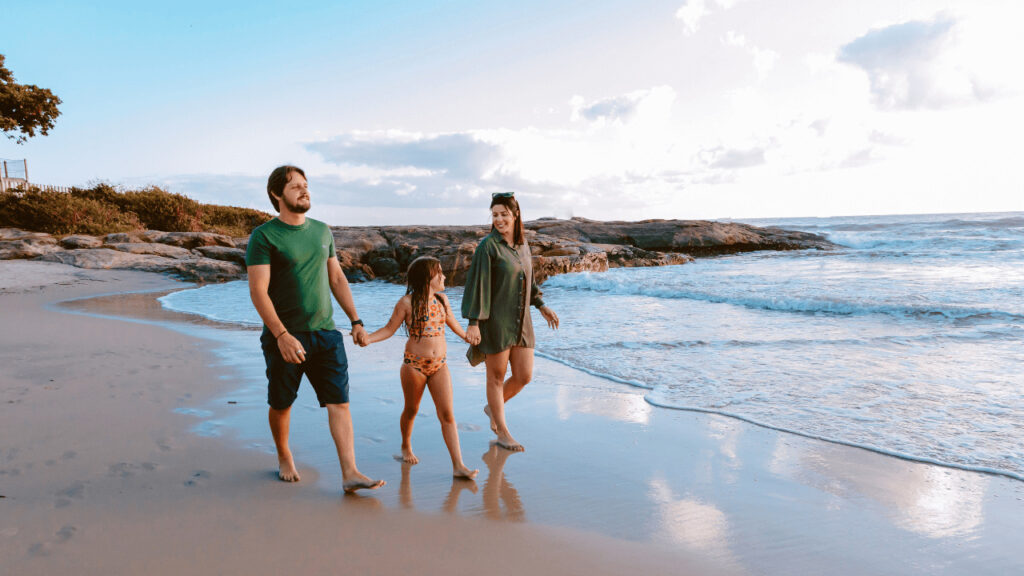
(691, 13)
(764, 60)
(918, 64)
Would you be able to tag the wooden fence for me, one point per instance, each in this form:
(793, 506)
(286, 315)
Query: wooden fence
(14, 176)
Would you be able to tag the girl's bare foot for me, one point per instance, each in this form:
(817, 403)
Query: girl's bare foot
(463, 472)
(286, 469)
(407, 456)
(360, 482)
(494, 427)
(509, 443)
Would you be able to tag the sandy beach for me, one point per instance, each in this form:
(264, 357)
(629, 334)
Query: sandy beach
(134, 440)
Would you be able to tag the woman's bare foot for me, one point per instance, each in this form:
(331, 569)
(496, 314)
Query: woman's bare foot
(360, 482)
(463, 472)
(509, 443)
(286, 469)
(494, 427)
(407, 456)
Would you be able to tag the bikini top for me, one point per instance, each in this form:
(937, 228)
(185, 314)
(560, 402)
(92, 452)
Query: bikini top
(433, 321)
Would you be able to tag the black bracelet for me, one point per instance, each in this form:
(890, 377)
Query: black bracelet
(283, 332)
(358, 323)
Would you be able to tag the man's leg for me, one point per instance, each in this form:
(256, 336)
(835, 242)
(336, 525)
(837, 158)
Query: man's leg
(340, 422)
(280, 421)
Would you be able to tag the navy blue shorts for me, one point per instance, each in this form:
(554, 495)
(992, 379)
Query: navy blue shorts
(326, 368)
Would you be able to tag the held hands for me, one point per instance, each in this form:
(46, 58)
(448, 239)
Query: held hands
(550, 316)
(359, 335)
(472, 335)
(291, 349)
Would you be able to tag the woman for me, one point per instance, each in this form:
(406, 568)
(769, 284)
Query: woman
(500, 288)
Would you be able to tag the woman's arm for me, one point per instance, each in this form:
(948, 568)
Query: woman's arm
(476, 300)
(402, 309)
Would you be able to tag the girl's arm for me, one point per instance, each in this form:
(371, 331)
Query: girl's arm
(451, 320)
(401, 312)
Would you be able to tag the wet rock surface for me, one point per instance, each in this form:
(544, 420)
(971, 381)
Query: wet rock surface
(384, 252)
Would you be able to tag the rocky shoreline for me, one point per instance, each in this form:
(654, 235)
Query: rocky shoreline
(383, 252)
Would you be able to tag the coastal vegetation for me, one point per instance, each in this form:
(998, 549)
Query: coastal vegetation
(103, 209)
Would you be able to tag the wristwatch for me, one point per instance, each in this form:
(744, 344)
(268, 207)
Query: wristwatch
(357, 323)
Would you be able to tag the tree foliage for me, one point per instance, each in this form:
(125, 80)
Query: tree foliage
(25, 108)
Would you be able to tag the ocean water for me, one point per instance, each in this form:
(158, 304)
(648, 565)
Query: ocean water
(908, 341)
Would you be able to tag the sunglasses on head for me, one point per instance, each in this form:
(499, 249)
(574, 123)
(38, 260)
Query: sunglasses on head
(502, 195)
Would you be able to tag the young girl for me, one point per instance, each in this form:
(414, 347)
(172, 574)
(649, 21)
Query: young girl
(425, 311)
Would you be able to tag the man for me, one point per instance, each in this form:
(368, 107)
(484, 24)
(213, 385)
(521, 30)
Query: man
(293, 270)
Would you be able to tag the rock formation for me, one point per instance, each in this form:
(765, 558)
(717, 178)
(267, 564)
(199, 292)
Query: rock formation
(369, 252)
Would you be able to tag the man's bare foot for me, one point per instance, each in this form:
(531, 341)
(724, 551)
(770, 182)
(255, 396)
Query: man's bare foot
(494, 427)
(463, 472)
(360, 482)
(407, 457)
(286, 469)
(509, 443)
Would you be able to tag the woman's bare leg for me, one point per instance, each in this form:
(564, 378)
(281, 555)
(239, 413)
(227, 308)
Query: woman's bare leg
(521, 360)
(413, 383)
(440, 385)
(497, 364)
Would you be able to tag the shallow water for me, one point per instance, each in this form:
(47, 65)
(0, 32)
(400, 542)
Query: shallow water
(908, 341)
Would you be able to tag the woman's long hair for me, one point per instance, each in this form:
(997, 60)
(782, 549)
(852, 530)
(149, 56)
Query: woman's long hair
(513, 207)
(417, 284)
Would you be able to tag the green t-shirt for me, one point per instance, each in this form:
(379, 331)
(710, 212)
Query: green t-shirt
(299, 287)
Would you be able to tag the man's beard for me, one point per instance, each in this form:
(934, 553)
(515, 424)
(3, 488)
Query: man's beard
(295, 208)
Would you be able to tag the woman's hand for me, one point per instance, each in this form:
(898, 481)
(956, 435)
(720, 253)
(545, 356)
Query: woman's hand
(473, 335)
(291, 349)
(550, 316)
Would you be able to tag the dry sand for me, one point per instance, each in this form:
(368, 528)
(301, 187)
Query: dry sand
(127, 447)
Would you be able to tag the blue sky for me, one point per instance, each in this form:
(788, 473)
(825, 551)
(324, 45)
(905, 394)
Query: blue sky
(405, 112)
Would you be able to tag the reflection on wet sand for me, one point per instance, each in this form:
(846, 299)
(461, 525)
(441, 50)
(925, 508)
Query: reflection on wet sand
(451, 501)
(622, 407)
(930, 500)
(695, 525)
(498, 490)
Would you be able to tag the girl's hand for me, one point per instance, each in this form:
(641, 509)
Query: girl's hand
(473, 335)
(550, 316)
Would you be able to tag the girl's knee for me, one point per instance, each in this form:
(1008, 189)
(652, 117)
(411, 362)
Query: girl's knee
(446, 416)
(410, 413)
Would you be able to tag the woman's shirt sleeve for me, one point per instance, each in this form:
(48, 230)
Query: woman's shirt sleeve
(476, 300)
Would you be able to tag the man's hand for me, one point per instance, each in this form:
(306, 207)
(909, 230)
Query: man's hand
(359, 335)
(291, 349)
(473, 335)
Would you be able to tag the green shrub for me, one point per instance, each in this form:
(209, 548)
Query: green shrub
(103, 209)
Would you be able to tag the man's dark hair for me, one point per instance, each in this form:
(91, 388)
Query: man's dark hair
(278, 180)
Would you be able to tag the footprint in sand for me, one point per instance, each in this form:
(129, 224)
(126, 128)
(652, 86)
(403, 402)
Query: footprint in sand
(372, 439)
(197, 478)
(468, 427)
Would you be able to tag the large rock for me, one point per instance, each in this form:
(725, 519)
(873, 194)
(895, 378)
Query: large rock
(194, 268)
(16, 234)
(80, 241)
(27, 247)
(164, 250)
(559, 246)
(223, 253)
(192, 240)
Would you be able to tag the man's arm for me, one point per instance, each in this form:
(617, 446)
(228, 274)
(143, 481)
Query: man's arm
(343, 294)
(259, 281)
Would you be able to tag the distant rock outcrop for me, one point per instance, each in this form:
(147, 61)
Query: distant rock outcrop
(369, 252)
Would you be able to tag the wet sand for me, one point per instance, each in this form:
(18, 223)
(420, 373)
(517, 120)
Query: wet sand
(142, 445)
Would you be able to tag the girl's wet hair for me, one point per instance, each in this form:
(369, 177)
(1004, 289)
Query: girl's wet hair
(417, 284)
(513, 207)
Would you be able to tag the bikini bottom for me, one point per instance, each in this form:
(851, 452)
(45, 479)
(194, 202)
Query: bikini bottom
(424, 364)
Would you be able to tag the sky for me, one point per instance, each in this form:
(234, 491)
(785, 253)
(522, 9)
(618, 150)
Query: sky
(414, 112)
